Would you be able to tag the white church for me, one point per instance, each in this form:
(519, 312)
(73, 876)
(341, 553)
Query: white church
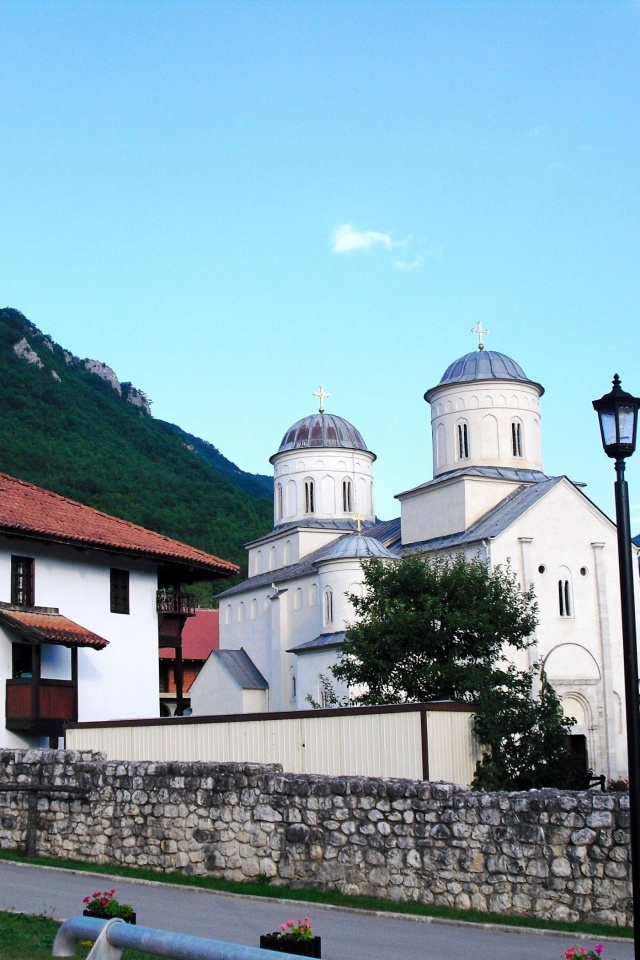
(282, 628)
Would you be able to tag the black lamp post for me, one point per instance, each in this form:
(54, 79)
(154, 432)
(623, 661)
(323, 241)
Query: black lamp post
(618, 414)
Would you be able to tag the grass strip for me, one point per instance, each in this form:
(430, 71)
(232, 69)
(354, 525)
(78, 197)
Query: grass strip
(22, 936)
(262, 887)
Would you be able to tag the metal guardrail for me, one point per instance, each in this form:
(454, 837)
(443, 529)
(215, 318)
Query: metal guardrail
(111, 937)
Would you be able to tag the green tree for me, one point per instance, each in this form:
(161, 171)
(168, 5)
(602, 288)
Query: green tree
(446, 629)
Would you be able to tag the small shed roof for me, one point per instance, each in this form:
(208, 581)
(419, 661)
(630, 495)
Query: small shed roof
(47, 625)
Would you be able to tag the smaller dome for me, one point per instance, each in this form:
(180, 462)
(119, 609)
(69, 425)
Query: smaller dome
(322, 430)
(357, 546)
(483, 365)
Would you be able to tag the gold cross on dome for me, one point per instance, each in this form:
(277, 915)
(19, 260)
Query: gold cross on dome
(359, 519)
(321, 395)
(480, 333)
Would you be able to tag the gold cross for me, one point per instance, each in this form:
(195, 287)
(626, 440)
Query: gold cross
(480, 333)
(359, 521)
(321, 396)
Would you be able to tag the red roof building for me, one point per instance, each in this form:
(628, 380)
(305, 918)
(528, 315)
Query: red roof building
(86, 599)
(200, 635)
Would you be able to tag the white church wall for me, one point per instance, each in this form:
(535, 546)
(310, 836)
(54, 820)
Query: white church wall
(311, 483)
(487, 409)
(450, 507)
(432, 512)
(310, 667)
(560, 531)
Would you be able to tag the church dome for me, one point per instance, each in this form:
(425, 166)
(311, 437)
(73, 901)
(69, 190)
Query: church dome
(322, 430)
(357, 546)
(482, 365)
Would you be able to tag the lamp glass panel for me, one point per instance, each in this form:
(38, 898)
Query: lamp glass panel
(626, 418)
(608, 427)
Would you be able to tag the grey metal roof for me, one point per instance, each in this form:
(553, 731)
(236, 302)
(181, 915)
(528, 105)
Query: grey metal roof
(323, 642)
(495, 520)
(356, 546)
(242, 668)
(484, 365)
(322, 430)
(491, 473)
(315, 524)
(300, 569)
(281, 575)
(388, 532)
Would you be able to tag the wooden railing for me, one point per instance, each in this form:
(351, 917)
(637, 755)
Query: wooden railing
(167, 601)
(54, 702)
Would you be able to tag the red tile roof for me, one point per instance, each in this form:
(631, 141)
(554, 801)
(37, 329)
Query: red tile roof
(200, 635)
(46, 625)
(32, 511)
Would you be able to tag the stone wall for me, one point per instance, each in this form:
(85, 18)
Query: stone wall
(546, 853)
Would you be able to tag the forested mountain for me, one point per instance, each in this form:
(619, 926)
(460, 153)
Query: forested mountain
(68, 425)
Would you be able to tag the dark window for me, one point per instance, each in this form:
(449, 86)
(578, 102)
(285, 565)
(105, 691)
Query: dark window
(22, 581)
(516, 439)
(119, 591)
(347, 504)
(564, 598)
(21, 660)
(463, 441)
(309, 497)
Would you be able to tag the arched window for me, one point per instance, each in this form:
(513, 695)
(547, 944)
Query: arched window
(287, 553)
(347, 496)
(294, 691)
(328, 605)
(259, 561)
(254, 609)
(272, 558)
(313, 595)
(462, 439)
(227, 613)
(565, 600)
(309, 497)
(297, 599)
(241, 612)
(279, 502)
(517, 448)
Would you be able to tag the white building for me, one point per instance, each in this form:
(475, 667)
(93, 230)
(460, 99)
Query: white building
(489, 496)
(85, 600)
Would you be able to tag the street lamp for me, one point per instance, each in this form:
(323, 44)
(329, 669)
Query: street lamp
(618, 415)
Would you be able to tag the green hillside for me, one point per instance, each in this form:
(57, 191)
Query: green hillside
(67, 429)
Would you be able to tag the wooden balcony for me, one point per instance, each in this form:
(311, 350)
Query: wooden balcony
(40, 707)
(167, 601)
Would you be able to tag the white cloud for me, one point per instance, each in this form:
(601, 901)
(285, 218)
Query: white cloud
(434, 253)
(348, 240)
(536, 132)
(408, 264)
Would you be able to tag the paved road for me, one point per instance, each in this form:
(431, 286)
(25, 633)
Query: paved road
(346, 934)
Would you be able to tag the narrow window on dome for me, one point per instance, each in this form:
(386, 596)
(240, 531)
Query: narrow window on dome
(279, 504)
(516, 439)
(347, 496)
(328, 606)
(463, 441)
(309, 497)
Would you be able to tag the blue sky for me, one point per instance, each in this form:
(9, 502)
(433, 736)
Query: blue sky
(233, 202)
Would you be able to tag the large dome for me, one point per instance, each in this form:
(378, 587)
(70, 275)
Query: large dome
(322, 430)
(484, 365)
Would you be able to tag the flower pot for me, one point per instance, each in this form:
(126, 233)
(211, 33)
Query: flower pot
(301, 948)
(109, 916)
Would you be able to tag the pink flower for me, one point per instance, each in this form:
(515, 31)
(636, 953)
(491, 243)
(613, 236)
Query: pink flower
(599, 948)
